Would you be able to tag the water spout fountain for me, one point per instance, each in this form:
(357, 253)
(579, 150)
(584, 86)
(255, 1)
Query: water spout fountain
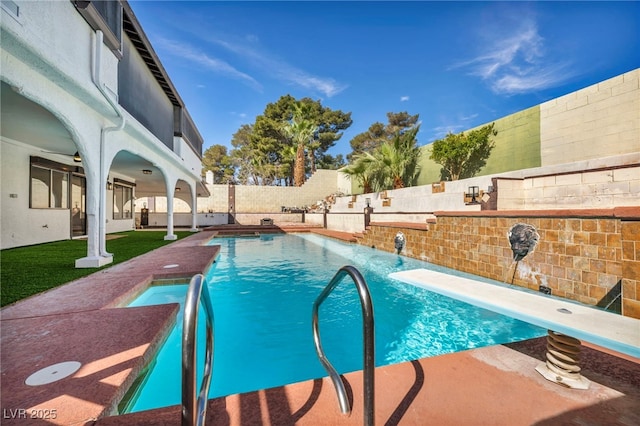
(563, 352)
(399, 241)
(523, 239)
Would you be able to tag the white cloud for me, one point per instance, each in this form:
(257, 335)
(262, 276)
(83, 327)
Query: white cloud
(404, 98)
(327, 86)
(468, 117)
(516, 62)
(440, 132)
(280, 69)
(189, 53)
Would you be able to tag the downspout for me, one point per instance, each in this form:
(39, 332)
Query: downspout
(96, 63)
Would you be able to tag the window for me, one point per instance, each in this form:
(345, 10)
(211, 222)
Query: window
(122, 202)
(105, 16)
(12, 9)
(49, 188)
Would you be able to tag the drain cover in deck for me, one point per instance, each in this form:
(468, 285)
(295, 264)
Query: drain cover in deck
(53, 373)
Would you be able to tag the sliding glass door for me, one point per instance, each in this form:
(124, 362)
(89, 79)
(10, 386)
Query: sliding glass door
(78, 206)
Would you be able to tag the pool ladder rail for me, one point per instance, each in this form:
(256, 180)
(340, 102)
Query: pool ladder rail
(369, 343)
(194, 407)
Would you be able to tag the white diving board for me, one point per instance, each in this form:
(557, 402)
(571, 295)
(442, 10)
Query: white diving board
(601, 328)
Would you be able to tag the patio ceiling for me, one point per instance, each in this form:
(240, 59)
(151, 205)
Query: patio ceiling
(25, 121)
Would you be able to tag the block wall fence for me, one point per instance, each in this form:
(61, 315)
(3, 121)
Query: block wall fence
(597, 121)
(581, 255)
(260, 199)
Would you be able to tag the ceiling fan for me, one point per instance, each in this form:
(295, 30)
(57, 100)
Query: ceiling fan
(76, 156)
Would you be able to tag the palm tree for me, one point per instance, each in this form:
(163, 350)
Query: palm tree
(300, 131)
(395, 162)
(401, 157)
(392, 165)
(288, 160)
(361, 169)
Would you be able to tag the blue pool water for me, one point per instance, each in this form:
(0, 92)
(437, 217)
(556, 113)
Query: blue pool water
(262, 291)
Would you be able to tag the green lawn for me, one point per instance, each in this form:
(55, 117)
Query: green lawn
(25, 271)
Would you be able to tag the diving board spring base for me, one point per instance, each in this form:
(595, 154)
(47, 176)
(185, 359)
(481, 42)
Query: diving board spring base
(563, 358)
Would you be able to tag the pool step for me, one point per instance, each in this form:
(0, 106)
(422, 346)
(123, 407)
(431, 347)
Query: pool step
(229, 230)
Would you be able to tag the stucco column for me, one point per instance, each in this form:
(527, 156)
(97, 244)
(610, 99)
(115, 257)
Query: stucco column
(95, 203)
(93, 238)
(194, 207)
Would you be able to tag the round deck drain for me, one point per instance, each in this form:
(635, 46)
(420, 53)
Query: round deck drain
(53, 373)
(173, 265)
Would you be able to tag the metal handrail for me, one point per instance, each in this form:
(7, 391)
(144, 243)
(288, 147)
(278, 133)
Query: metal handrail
(194, 408)
(369, 343)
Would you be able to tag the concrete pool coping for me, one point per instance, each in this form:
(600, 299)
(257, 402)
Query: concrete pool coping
(81, 322)
(496, 385)
(622, 334)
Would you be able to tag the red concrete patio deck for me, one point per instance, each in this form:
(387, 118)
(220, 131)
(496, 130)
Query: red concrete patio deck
(81, 322)
(491, 386)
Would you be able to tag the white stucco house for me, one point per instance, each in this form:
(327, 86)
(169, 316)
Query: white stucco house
(90, 122)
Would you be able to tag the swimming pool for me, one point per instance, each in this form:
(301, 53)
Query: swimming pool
(262, 290)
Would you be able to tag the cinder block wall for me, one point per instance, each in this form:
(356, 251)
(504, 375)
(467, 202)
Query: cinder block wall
(605, 188)
(581, 255)
(261, 199)
(598, 121)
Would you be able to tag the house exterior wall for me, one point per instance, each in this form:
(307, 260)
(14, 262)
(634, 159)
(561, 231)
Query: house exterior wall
(31, 69)
(19, 224)
(188, 156)
(63, 82)
(141, 95)
(58, 53)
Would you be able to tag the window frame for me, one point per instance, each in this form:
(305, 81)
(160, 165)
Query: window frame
(52, 168)
(120, 186)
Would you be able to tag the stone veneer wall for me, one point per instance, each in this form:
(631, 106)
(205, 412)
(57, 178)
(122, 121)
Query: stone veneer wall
(631, 268)
(581, 255)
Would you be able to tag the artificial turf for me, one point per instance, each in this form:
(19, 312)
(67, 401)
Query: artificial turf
(25, 271)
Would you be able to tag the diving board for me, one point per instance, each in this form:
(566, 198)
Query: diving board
(602, 328)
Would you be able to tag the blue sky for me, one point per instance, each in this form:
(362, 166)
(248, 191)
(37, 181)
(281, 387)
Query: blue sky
(457, 64)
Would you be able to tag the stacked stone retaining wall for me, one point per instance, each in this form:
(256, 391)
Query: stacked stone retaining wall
(581, 255)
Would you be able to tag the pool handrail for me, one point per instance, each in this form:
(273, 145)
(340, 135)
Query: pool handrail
(194, 408)
(369, 343)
